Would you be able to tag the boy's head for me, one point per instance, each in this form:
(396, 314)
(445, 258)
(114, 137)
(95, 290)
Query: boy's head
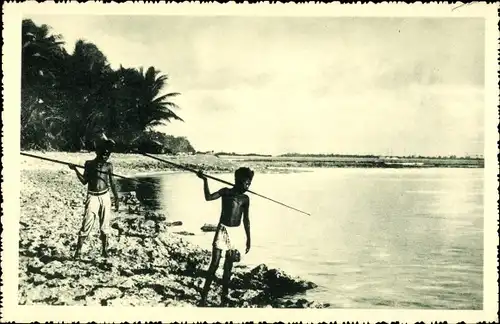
(103, 150)
(243, 178)
(102, 153)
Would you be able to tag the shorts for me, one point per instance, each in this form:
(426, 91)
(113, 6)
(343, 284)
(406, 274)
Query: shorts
(97, 205)
(228, 238)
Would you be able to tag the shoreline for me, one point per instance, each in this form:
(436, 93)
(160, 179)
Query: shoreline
(144, 166)
(149, 264)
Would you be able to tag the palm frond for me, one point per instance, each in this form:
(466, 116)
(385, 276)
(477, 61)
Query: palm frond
(165, 96)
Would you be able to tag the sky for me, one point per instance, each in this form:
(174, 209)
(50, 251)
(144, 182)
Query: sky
(387, 86)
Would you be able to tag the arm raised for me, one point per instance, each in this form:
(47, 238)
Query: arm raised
(206, 191)
(83, 178)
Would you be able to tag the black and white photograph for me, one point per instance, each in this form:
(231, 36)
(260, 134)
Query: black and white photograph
(295, 162)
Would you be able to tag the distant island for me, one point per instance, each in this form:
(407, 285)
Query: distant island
(357, 161)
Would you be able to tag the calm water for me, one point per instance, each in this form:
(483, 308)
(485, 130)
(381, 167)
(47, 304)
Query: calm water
(398, 238)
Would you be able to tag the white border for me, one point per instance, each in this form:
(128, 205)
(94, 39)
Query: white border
(12, 17)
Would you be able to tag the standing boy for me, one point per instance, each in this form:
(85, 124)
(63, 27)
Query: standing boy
(98, 174)
(235, 208)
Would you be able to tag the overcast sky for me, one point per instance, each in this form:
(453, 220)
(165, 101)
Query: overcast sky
(320, 85)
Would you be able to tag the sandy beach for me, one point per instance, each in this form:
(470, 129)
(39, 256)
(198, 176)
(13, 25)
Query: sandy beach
(149, 264)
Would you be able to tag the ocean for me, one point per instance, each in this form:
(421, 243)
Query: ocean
(376, 238)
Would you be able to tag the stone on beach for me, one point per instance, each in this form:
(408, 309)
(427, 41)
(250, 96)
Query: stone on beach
(176, 223)
(154, 216)
(184, 233)
(209, 228)
(130, 198)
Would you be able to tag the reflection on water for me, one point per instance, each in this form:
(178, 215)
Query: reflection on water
(376, 237)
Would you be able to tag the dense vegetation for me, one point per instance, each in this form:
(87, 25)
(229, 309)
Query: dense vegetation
(69, 99)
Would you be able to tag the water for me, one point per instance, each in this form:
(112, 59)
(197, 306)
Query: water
(377, 238)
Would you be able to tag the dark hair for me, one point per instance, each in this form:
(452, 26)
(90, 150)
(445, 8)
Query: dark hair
(243, 173)
(103, 147)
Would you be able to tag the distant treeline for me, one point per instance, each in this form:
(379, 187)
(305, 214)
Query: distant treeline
(378, 156)
(326, 155)
(69, 99)
(157, 142)
(241, 154)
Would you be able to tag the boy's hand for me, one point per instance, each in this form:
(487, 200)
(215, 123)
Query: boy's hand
(72, 167)
(248, 247)
(201, 175)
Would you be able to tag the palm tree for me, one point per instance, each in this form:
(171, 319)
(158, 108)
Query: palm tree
(42, 54)
(139, 104)
(155, 109)
(89, 81)
(67, 99)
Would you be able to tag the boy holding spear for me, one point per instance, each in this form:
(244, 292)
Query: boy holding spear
(235, 208)
(98, 175)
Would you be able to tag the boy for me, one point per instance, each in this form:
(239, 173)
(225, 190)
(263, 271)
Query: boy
(235, 208)
(98, 175)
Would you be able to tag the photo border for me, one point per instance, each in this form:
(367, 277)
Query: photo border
(12, 16)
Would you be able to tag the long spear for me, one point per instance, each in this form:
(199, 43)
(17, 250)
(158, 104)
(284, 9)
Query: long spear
(68, 163)
(220, 180)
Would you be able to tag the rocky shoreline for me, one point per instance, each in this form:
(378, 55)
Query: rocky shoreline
(150, 262)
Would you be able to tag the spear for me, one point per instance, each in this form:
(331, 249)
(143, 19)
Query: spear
(76, 165)
(220, 180)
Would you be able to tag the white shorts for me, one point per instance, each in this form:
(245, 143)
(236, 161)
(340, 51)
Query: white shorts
(97, 205)
(229, 238)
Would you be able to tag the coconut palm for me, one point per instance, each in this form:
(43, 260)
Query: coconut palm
(155, 109)
(89, 82)
(41, 52)
(68, 99)
(140, 104)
